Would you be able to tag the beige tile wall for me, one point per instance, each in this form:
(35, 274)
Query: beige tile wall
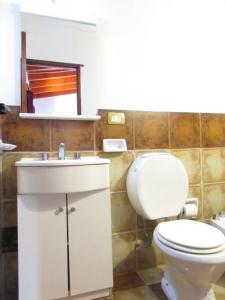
(128, 227)
(184, 135)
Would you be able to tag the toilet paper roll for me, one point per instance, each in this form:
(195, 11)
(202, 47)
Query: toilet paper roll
(190, 210)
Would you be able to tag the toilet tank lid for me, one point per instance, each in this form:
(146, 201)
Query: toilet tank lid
(157, 185)
(191, 234)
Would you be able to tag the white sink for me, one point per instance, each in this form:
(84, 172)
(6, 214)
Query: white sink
(62, 176)
(86, 160)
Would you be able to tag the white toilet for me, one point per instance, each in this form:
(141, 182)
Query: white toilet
(194, 252)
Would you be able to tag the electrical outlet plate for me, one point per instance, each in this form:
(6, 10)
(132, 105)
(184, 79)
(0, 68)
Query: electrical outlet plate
(115, 118)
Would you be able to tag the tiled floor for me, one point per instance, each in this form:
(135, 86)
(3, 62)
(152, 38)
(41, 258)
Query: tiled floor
(142, 286)
(141, 293)
(146, 286)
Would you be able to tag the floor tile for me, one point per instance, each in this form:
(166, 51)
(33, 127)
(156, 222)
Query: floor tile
(219, 288)
(149, 286)
(156, 288)
(127, 281)
(152, 275)
(139, 293)
(219, 292)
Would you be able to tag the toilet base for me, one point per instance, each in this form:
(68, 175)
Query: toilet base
(169, 292)
(167, 289)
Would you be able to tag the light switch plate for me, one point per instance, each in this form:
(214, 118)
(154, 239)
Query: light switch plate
(115, 118)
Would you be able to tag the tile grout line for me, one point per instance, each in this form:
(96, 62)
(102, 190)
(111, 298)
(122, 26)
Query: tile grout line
(201, 164)
(169, 131)
(213, 183)
(202, 189)
(134, 155)
(134, 130)
(139, 230)
(94, 137)
(200, 130)
(50, 135)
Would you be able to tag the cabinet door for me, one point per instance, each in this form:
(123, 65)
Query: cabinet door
(42, 247)
(90, 244)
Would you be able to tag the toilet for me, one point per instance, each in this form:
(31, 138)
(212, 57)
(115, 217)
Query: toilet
(157, 186)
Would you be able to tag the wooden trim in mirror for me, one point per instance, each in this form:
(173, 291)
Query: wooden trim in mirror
(78, 92)
(23, 73)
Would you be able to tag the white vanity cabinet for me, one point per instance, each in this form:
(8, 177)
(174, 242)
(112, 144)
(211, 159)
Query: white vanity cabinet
(64, 238)
(91, 258)
(42, 247)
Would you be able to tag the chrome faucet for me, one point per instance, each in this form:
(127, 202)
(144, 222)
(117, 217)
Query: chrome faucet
(61, 154)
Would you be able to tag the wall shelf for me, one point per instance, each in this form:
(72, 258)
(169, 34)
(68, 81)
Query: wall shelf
(59, 117)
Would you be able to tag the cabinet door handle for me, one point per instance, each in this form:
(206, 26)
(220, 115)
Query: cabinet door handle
(59, 210)
(72, 209)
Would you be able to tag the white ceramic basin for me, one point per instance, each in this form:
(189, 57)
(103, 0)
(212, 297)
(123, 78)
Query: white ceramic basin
(62, 176)
(86, 160)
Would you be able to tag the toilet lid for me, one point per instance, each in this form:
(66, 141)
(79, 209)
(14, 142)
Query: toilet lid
(191, 236)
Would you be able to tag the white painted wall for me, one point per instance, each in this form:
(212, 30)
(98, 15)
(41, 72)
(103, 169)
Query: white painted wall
(78, 10)
(165, 55)
(56, 105)
(65, 41)
(9, 53)
(157, 54)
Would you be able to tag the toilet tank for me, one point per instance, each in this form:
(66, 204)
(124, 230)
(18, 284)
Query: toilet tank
(157, 185)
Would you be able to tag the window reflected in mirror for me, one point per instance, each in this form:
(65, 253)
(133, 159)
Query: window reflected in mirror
(52, 87)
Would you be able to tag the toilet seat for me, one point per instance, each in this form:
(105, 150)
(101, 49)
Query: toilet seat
(190, 236)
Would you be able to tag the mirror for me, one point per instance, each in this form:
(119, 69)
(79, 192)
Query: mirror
(67, 43)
